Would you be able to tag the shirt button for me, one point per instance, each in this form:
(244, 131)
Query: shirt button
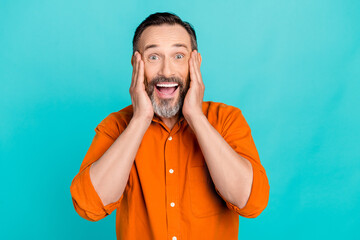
(170, 138)
(172, 204)
(171, 171)
(174, 238)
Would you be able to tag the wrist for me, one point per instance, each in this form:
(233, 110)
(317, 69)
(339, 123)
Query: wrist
(194, 119)
(140, 122)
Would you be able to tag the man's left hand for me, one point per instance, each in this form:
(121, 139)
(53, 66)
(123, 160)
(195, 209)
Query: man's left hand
(192, 107)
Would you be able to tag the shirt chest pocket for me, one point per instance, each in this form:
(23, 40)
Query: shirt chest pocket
(204, 199)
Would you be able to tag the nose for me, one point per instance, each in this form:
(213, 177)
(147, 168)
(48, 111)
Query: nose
(166, 68)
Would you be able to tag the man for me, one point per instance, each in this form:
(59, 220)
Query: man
(173, 166)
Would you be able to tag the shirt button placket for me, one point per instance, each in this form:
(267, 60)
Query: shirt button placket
(173, 218)
(170, 170)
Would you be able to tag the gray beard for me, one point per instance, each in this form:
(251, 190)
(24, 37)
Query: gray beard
(164, 108)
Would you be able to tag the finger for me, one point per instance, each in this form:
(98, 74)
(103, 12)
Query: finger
(133, 79)
(196, 56)
(137, 70)
(198, 72)
(141, 74)
(197, 75)
(193, 75)
(133, 71)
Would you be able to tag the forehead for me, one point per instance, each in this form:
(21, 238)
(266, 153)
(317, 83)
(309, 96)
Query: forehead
(164, 35)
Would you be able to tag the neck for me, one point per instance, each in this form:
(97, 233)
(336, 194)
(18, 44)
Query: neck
(170, 122)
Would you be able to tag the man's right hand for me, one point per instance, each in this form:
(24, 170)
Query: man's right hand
(141, 102)
(110, 173)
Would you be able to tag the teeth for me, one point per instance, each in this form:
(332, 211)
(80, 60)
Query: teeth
(167, 85)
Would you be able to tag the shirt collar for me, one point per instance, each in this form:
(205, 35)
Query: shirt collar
(158, 119)
(181, 120)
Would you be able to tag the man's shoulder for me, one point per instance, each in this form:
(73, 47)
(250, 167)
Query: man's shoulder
(120, 118)
(124, 114)
(218, 109)
(223, 116)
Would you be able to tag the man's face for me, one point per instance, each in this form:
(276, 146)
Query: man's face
(166, 50)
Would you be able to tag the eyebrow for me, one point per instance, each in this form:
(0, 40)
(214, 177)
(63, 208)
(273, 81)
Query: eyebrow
(174, 45)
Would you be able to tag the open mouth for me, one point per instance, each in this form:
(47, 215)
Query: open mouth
(166, 89)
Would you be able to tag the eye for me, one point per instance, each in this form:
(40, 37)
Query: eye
(153, 57)
(179, 56)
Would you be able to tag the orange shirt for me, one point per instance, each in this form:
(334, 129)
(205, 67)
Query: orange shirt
(170, 193)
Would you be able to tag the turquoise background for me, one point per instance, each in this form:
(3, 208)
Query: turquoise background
(292, 67)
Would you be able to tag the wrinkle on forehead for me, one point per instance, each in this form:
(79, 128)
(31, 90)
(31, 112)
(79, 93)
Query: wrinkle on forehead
(165, 36)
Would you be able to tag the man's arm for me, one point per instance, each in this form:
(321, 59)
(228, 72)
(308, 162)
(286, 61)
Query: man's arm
(110, 173)
(96, 190)
(231, 173)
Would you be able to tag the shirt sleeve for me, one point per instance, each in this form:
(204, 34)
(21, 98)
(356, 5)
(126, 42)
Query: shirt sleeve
(237, 134)
(87, 202)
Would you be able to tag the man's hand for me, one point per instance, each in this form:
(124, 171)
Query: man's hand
(110, 173)
(192, 107)
(141, 102)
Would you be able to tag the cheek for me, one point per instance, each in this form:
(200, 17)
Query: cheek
(184, 70)
(149, 71)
